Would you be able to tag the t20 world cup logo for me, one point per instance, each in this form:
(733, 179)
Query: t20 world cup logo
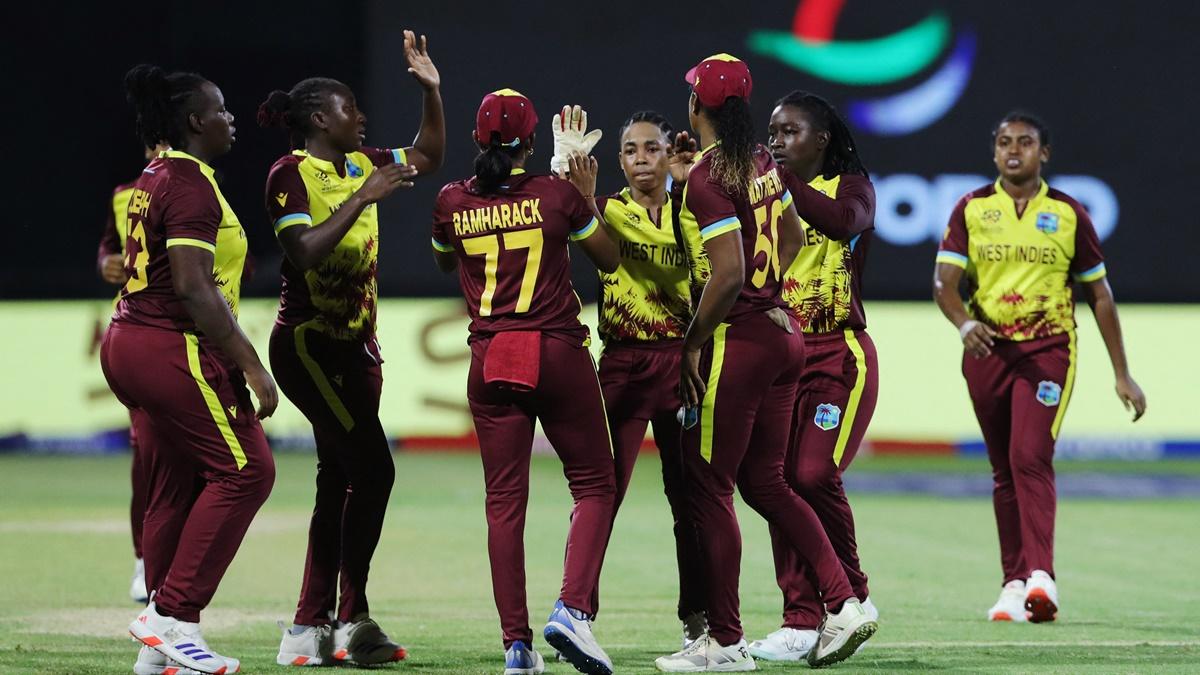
(810, 47)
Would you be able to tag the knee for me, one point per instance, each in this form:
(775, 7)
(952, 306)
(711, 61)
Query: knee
(258, 478)
(807, 480)
(1032, 466)
(764, 494)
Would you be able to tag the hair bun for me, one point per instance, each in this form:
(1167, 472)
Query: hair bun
(273, 112)
(144, 83)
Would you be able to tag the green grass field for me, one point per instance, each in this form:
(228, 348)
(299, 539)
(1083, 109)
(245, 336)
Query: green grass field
(1127, 574)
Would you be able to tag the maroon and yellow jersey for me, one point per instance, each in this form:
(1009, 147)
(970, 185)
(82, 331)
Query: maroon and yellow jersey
(176, 202)
(514, 266)
(709, 210)
(116, 226)
(648, 298)
(823, 287)
(337, 296)
(1019, 267)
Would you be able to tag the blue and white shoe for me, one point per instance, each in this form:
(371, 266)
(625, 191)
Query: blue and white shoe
(521, 659)
(179, 641)
(570, 632)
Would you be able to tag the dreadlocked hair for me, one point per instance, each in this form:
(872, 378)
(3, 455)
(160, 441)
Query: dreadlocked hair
(293, 110)
(733, 158)
(650, 117)
(1027, 118)
(841, 155)
(494, 164)
(163, 101)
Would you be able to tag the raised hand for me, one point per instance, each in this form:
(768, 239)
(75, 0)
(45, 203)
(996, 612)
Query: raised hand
(419, 64)
(571, 136)
(682, 156)
(385, 180)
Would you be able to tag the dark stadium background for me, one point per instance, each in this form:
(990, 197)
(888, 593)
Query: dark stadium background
(1121, 99)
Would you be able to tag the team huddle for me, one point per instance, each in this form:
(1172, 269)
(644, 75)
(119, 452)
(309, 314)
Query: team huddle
(732, 324)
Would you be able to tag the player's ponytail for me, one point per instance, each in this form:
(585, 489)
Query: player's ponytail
(493, 165)
(733, 159)
(841, 155)
(162, 102)
(293, 110)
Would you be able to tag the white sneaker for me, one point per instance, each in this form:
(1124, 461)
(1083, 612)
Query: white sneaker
(137, 587)
(707, 655)
(311, 647)
(1041, 597)
(871, 609)
(695, 626)
(364, 642)
(179, 641)
(1011, 605)
(523, 660)
(573, 638)
(841, 634)
(785, 644)
(150, 662)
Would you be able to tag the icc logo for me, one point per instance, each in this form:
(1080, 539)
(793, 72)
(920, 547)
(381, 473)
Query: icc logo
(828, 416)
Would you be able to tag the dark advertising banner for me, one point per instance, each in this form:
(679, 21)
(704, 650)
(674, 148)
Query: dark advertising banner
(922, 84)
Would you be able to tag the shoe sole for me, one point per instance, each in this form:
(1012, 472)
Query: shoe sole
(144, 635)
(298, 660)
(783, 658)
(557, 635)
(1039, 608)
(856, 639)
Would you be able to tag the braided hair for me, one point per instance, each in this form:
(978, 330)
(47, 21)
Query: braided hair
(733, 159)
(841, 155)
(163, 101)
(650, 117)
(293, 110)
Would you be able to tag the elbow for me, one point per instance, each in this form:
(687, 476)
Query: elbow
(609, 263)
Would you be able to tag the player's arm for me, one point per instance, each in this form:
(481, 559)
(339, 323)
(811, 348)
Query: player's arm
(791, 237)
(1104, 308)
(850, 213)
(110, 263)
(952, 261)
(728, 274)
(191, 275)
(306, 245)
(429, 148)
(593, 238)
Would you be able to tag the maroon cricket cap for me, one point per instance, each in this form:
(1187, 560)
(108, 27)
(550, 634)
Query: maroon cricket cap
(507, 112)
(717, 78)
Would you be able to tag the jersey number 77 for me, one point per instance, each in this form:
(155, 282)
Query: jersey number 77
(490, 248)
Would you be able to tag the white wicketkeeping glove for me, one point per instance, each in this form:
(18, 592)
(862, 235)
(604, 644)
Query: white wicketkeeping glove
(571, 136)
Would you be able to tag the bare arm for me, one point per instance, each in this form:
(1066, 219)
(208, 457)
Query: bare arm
(849, 214)
(191, 275)
(791, 238)
(728, 275)
(447, 261)
(1104, 308)
(306, 246)
(429, 148)
(598, 246)
(976, 336)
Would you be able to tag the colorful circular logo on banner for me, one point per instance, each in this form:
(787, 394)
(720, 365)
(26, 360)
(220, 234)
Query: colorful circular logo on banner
(810, 47)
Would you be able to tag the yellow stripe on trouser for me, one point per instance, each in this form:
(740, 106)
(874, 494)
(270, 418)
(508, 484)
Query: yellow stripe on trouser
(603, 406)
(319, 379)
(860, 381)
(210, 399)
(709, 404)
(1067, 387)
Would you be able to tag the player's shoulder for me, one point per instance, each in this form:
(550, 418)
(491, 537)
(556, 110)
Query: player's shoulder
(1067, 201)
(982, 192)
(125, 187)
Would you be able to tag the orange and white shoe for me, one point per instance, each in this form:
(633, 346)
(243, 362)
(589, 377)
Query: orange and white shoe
(1011, 605)
(1041, 597)
(312, 646)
